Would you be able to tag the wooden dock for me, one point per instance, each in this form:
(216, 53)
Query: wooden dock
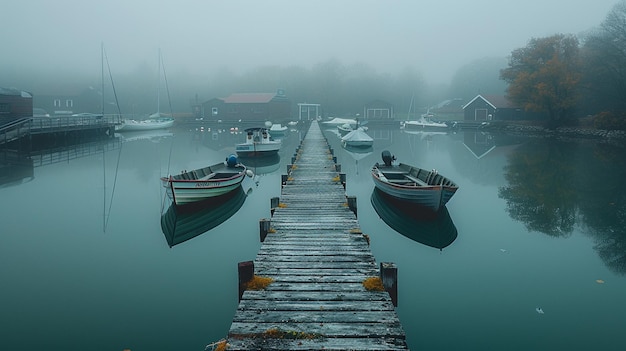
(318, 259)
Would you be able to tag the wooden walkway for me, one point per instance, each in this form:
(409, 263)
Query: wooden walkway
(318, 259)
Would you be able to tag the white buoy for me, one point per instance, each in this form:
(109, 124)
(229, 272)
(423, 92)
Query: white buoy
(249, 173)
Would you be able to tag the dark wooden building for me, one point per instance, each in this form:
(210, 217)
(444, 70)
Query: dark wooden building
(378, 110)
(248, 107)
(14, 104)
(492, 108)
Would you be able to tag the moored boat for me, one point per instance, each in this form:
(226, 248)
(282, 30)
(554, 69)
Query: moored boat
(357, 138)
(426, 123)
(258, 143)
(424, 187)
(203, 183)
(151, 123)
(278, 129)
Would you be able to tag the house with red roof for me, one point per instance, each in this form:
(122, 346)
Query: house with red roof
(248, 107)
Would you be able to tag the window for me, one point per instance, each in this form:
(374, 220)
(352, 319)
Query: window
(214, 111)
(69, 103)
(57, 102)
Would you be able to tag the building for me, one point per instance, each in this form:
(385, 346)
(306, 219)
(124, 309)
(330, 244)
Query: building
(14, 104)
(492, 108)
(378, 110)
(70, 101)
(248, 107)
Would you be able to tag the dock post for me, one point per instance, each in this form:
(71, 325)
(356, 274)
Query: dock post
(283, 179)
(289, 167)
(351, 199)
(273, 204)
(338, 167)
(389, 276)
(246, 273)
(264, 228)
(342, 179)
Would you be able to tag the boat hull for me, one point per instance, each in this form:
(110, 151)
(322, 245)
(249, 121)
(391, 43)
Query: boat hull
(433, 193)
(221, 180)
(133, 125)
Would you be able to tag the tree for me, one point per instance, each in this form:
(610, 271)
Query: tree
(544, 76)
(604, 60)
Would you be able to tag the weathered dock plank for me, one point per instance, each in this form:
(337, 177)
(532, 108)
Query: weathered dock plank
(318, 260)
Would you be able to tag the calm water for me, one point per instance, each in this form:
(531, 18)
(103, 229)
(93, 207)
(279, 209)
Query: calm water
(85, 264)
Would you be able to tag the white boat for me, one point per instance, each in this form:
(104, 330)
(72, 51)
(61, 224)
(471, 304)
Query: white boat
(156, 120)
(258, 143)
(339, 121)
(416, 185)
(145, 124)
(357, 138)
(344, 129)
(278, 129)
(425, 123)
(204, 183)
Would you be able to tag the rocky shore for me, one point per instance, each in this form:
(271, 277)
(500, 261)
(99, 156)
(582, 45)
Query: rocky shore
(561, 132)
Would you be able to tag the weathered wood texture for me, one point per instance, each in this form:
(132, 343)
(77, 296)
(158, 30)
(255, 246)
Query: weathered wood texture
(318, 258)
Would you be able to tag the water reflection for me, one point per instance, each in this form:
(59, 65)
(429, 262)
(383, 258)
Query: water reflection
(261, 165)
(181, 223)
(425, 227)
(553, 187)
(15, 168)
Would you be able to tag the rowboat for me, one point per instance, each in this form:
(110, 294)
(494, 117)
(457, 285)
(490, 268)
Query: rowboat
(426, 188)
(258, 143)
(203, 183)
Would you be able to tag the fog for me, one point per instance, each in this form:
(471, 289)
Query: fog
(200, 37)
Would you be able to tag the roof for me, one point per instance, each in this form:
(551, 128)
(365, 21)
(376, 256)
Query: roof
(249, 98)
(496, 101)
(15, 92)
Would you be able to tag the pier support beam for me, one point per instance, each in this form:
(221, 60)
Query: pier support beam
(264, 228)
(389, 276)
(246, 273)
(352, 204)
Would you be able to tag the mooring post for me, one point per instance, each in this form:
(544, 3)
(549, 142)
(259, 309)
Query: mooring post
(245, 271)
(283, 179)
(264, 228)
(351, 199)
(342, 179)
(337, 167)
(273, 204)
(332, 151)
(335, 159)
(289, 167)
(389, 276)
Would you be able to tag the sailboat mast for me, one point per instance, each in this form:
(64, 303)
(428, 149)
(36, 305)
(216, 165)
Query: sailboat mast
(159, 86)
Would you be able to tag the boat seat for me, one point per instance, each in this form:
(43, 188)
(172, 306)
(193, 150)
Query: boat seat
(416, 180)
(208, 176)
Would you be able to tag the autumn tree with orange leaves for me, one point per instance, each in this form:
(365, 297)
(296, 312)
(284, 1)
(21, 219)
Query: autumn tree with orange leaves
(544, 77)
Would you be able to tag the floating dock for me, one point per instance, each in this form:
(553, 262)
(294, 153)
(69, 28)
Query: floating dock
(318, 261)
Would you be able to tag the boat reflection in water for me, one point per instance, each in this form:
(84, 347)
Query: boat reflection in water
(181, 223)
(434, 229)
(261, 165)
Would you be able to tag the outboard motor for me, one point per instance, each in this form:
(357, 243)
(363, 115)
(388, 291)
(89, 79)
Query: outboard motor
(231, 160)
(388, 158)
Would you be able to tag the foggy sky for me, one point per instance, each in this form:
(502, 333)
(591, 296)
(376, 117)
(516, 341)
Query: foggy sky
(435, 37)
